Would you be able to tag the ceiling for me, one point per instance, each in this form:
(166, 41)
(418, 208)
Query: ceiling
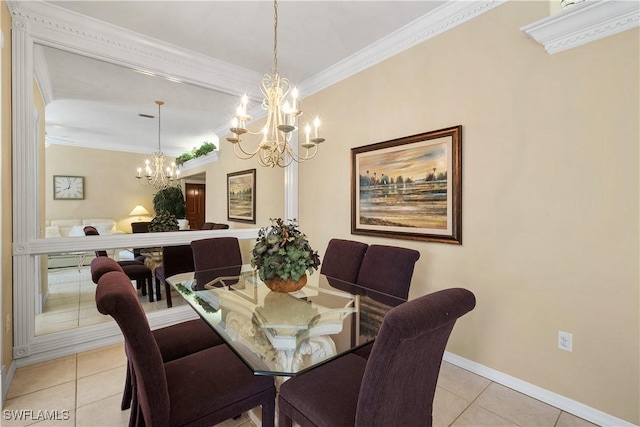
(95, 104)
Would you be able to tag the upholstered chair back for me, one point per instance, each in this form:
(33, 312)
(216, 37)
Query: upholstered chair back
(388, 269)
(207, 226)
(177, 259)
(90, 230)
(220, 253)
(116, 297)
(342, 259)
(220, 226)
(101, 265)
(400, 377)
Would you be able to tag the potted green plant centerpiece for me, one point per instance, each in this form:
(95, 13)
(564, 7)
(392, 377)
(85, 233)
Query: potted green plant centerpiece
(283, 256)
(164, 221)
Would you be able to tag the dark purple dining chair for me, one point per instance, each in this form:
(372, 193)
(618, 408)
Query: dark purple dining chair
(396, 385)
(215, 257)
(134, 269)
(342, 259)
(175, 260)
(174, 341)
(386, 270)
(203, 388)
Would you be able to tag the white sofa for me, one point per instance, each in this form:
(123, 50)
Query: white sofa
(74, 228)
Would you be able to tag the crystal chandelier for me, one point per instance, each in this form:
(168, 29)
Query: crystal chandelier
(154, 172)
(283, 109)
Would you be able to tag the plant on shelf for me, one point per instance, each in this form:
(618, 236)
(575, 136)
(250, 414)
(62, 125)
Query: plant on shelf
(203, 150)
(170, 199)
(164, 221)
(283, 256)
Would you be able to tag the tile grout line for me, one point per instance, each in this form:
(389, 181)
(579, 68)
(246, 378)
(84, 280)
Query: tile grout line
(486, 409)
(470, 403)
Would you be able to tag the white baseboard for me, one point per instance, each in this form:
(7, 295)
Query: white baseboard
(568, 405)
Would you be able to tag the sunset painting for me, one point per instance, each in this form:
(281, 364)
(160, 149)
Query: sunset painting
(405, 188)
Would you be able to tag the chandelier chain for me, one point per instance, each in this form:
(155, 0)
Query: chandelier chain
(159, 120)
(275, 37)
(283, 110)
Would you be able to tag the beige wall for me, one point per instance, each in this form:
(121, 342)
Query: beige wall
(5, 171)
(111, 190)
(550, 194)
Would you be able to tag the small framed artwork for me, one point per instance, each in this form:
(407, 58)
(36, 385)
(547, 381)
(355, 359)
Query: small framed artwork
(67, 187)
(241, 196)
(409, 188)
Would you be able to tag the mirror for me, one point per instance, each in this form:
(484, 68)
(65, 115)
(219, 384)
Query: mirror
(100, 121)
(32, 186)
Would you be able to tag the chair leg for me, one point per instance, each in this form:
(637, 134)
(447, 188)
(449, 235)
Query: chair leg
(283, 420)
(127, 395)
(167, 291)
(158, 291)
(269, 412)
(149, 285)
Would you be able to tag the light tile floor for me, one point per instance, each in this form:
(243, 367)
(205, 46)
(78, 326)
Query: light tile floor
(89, 387)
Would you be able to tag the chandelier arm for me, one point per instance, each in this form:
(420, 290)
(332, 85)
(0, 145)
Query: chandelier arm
(299, 158)
(246, 155)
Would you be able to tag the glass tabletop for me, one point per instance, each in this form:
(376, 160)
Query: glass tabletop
(284, 333)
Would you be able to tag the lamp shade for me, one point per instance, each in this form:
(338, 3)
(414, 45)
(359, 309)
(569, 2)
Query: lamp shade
(139, 211)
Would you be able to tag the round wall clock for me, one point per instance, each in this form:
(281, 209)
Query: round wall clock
(68, 187)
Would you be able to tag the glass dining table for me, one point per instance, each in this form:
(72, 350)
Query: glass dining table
(284, 334)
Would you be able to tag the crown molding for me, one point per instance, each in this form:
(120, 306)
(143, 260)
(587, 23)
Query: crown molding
(444, 18)
(583, 23)
(57, 27)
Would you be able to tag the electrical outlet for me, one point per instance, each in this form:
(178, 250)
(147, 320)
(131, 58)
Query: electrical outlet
(565, 341)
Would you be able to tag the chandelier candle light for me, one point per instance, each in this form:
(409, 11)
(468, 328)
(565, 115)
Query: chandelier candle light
(154, 172)
(283, 109)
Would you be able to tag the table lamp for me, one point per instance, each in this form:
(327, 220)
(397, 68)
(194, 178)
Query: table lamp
(139, 211)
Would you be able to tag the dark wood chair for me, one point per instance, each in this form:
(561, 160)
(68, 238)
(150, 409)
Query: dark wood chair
(174, 341)
(396, 385)
(203, 388)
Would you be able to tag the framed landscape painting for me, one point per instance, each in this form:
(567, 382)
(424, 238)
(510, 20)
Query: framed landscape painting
(241, 196)
(409, 188)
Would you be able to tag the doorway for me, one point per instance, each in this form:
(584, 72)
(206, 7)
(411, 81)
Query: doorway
(196, 197)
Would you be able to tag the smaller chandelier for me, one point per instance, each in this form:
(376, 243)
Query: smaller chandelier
(154, 172)
(283, 110)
